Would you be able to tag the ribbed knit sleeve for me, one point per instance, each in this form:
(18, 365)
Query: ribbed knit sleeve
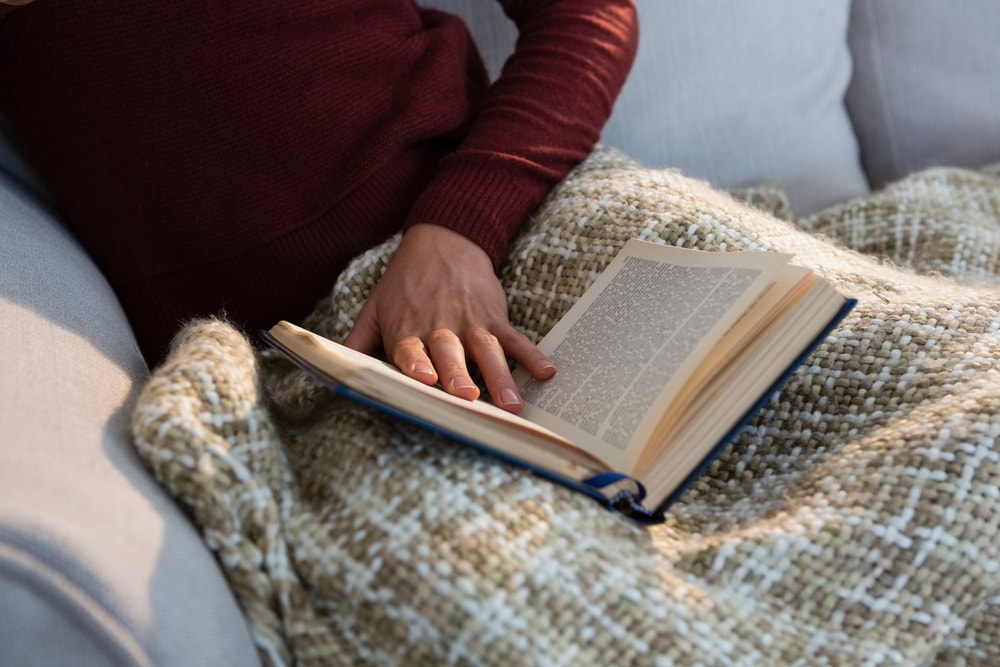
(234, 156)
(541, 117)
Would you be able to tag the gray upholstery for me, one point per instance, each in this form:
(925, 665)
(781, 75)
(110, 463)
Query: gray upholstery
(97, 565)
(926, 86)
(733, 92)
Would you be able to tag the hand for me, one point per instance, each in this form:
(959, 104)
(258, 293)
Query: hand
(439, 303)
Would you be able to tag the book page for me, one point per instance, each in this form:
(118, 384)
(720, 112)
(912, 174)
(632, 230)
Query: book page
(624, 350)
(792, 284)
(758, 365)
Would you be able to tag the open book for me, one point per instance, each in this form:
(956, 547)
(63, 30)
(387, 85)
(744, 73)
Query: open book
(659, 365)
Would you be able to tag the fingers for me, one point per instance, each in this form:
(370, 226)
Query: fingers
(489, 355)
(448, 354)
(365, 336)
(521, 349)
(443, 358)
(410, 356)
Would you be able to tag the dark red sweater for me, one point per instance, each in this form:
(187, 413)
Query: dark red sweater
(233, 156)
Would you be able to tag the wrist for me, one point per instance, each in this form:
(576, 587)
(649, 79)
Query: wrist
(443, 241)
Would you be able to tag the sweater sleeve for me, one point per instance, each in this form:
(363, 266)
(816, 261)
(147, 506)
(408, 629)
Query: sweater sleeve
(541, 117)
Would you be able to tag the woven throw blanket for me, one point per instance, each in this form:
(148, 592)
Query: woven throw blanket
(853, 522)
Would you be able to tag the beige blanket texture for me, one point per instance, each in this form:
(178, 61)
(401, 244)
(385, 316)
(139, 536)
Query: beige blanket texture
(853, 522)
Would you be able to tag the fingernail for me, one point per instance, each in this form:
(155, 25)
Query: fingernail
(509, 397)
(420, 368)
(459, 384)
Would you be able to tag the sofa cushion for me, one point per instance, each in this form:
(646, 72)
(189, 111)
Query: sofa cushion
(926, 89)
(97, 565)
(733, 92)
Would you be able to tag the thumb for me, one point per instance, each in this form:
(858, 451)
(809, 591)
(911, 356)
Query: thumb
(365, 336)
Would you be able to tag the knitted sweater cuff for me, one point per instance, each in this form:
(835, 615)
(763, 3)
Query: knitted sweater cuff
(487, 202)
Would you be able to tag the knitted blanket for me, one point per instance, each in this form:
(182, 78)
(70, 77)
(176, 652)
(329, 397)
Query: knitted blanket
(853, 522)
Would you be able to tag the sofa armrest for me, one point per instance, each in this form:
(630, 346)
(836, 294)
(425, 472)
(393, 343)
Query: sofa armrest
(97, 565)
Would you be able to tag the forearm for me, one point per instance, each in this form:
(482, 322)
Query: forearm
(541, 117)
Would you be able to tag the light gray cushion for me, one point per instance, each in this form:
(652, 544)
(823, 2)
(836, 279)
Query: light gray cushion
(733, 92)
(97, 565)
(926, 87)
